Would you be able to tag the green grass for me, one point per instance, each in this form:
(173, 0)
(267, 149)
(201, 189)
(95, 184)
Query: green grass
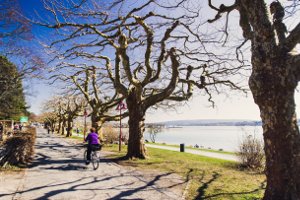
(77, 137)
(209, 178)
(198, 149)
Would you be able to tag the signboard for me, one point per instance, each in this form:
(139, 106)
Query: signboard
(23, 119)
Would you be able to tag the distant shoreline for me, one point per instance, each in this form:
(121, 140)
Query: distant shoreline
(181, 123)
(181, 126)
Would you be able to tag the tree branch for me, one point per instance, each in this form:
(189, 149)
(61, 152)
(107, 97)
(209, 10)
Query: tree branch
(84, 90)
(149, 33)
(163, 50)
(292, 40)
(152, 100)
(245, 24)
(117, 80)
(222, 9)
(95, 87)
(125, 59)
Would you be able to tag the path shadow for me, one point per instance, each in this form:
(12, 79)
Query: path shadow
(201, 190)
(112, 160)
(130, 192)
(68, 167)
(65, 164)
(58, 191)
(223, 194)
(55, 146)
(215, 175)
(86, 183)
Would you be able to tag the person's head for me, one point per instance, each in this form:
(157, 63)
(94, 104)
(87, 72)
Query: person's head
(93, 130)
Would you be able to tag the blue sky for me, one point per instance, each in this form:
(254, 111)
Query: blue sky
(232, 106)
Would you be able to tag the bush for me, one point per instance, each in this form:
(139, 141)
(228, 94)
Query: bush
(18, 149)
(111, 135)
(251, 153)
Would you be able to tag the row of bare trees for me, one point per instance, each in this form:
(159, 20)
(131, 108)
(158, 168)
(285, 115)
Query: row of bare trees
(60, 112)
(134, 54)
(153, 51)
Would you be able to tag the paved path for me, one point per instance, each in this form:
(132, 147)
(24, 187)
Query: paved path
(58, 172)
(199, 152)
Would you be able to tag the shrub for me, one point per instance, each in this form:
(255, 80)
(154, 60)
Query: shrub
(251, 153)
(18, 149)
(111, 135)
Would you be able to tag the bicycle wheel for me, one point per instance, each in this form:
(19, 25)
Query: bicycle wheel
(95, 160)
(85, 155)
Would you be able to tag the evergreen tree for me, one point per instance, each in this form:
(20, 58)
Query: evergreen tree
(12, 100)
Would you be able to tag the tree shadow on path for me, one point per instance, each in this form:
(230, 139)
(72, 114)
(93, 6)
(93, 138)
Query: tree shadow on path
(215, 175)
(56, 164)
(78, 185)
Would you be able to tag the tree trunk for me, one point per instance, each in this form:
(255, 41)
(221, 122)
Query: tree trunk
(100, 130)
(63, 127)
(136, 146)
(59, 126)
(52, 127)
(95, 119)
(273, 90)
(69, 128)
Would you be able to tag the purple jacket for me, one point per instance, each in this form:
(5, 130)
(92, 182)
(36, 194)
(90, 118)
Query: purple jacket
(92, 138)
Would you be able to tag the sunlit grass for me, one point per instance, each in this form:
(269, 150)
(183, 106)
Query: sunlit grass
(188, 147)
(77, 137)
(209, 178)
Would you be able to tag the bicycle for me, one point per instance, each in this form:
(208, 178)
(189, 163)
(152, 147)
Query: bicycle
(95, 159)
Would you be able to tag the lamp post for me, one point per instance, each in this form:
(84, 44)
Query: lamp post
(121, 106)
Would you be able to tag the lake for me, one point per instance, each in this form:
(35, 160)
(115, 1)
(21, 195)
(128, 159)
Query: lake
(227, 138)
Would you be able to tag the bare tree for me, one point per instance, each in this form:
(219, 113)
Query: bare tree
(97, 91)
(154, 129)
(273, 81)
(149, 57)
(12, 24)
(15, 31)
(73, 108)
(66, 108)
(49, 118)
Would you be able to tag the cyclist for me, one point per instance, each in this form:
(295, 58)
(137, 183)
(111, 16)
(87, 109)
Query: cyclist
(93, 143)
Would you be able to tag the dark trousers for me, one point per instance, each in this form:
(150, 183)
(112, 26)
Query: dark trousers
(90, 148)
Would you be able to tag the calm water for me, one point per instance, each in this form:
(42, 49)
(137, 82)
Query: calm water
(227, 138)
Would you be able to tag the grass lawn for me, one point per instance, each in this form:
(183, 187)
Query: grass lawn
(199, 149)
(77, 137)
(208, 178)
